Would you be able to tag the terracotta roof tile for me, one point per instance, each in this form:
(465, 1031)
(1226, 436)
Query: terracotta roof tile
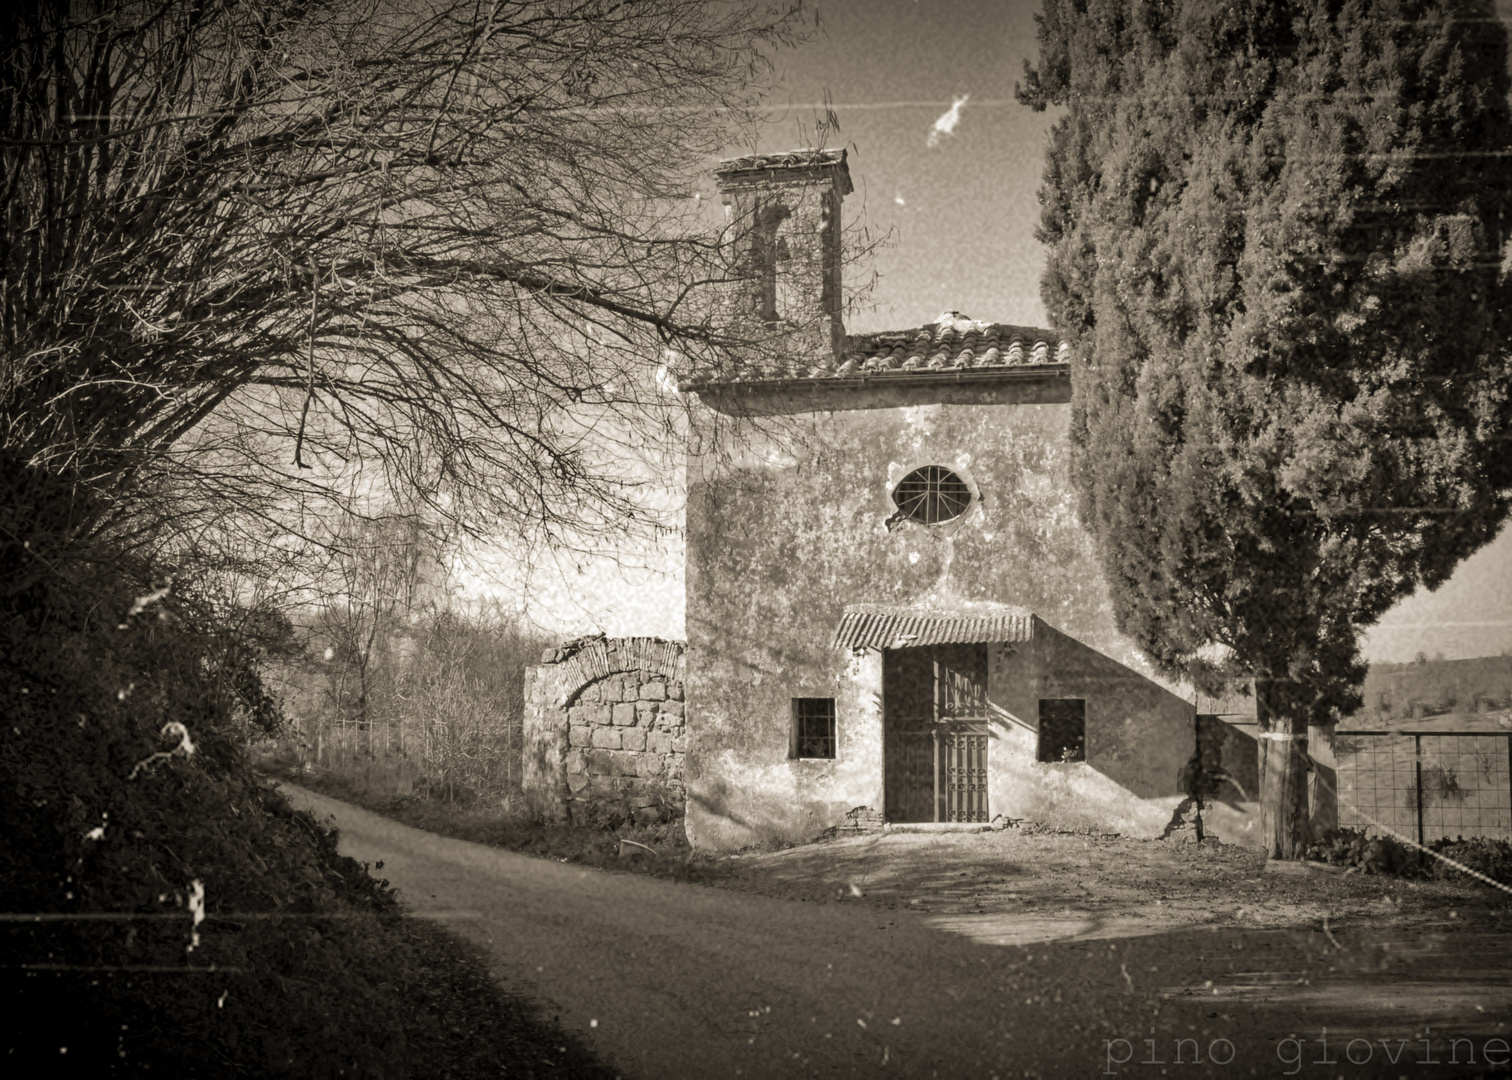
(767, 167)
(949, 345)
(804, 158)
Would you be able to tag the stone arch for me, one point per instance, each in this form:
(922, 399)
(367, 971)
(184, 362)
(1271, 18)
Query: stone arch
(590, 660)
(605, 729)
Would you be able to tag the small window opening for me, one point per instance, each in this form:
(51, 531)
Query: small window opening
(931, 495)
(813, 728)
(1062, 729)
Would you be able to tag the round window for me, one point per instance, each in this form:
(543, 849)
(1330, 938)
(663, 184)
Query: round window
(931, 495)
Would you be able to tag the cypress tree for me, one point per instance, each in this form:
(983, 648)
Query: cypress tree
(1276, 235)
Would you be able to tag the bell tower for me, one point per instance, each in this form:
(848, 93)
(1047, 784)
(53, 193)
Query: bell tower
(784, 210)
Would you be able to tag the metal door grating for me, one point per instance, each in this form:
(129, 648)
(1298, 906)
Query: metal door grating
(963, 760)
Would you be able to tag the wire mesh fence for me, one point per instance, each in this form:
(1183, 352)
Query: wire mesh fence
(1427, 786)
(438, 758)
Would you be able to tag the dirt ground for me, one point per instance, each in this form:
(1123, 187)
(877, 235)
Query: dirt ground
(1070, 885)
(1021, 952)
(975, 955)
(1293, 964)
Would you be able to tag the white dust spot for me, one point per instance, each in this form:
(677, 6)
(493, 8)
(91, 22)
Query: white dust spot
(900, 200)
(197, 908)
(946, 124)
(666, 382)
(142, 602)
(186, 747)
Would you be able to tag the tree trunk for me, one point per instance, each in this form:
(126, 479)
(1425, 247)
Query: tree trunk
(1283, 770)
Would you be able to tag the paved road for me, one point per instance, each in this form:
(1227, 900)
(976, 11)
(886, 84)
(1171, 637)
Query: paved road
(675, 980)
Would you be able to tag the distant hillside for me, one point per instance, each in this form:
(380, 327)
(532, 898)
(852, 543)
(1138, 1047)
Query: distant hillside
(1435, 687)
(1415, 690)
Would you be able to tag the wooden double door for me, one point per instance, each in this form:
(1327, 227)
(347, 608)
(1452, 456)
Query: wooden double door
(934, 733)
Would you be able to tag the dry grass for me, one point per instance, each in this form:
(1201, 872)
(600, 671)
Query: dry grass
(661, 850)
(1027, 872)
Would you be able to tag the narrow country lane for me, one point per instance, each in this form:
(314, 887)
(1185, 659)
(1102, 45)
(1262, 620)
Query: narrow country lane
(663, 979)
(674, 980)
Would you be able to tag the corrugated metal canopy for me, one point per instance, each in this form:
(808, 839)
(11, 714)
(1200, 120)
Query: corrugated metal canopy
(896, 628)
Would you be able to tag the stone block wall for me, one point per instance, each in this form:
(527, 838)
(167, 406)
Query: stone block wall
(605, 731)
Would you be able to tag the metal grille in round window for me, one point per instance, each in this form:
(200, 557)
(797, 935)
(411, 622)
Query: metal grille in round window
(931, 495)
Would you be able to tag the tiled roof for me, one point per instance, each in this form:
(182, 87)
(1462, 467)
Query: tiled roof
(870, 627)
(950, 343)
(951, 346)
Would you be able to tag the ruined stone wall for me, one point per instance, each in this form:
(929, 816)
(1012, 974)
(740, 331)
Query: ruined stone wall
(604, 731)
(788, 225)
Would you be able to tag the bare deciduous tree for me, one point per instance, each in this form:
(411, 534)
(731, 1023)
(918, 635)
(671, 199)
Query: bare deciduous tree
(263, 252)
(374, 576)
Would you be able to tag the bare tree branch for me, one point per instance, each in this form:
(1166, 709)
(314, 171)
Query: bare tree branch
(443, 246)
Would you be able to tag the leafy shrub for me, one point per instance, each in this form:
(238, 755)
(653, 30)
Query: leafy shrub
(112, 828)
(1484, 855)
(1357, 850)
(126, 798)
(1385, 855)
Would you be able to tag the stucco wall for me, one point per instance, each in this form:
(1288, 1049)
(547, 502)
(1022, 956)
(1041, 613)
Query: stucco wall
(787, 521)
(1230, 780)
(1139, 736)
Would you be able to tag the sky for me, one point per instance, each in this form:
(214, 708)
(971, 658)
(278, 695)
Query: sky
(946, 165)
(960, 208)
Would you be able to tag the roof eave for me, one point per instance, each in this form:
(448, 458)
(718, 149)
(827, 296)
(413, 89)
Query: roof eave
(931, 377)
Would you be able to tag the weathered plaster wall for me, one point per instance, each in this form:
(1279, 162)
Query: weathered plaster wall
(787, 520)
(1139, 738)
(605, 731)
(1231, 807)
(743, 788)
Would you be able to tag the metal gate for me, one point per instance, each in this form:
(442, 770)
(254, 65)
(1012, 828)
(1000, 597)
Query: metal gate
(963, 762)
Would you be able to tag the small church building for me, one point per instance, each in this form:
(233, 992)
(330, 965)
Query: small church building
(893, 614)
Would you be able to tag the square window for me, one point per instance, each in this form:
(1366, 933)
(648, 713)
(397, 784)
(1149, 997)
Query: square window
(1062, 729)
(813, 728)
